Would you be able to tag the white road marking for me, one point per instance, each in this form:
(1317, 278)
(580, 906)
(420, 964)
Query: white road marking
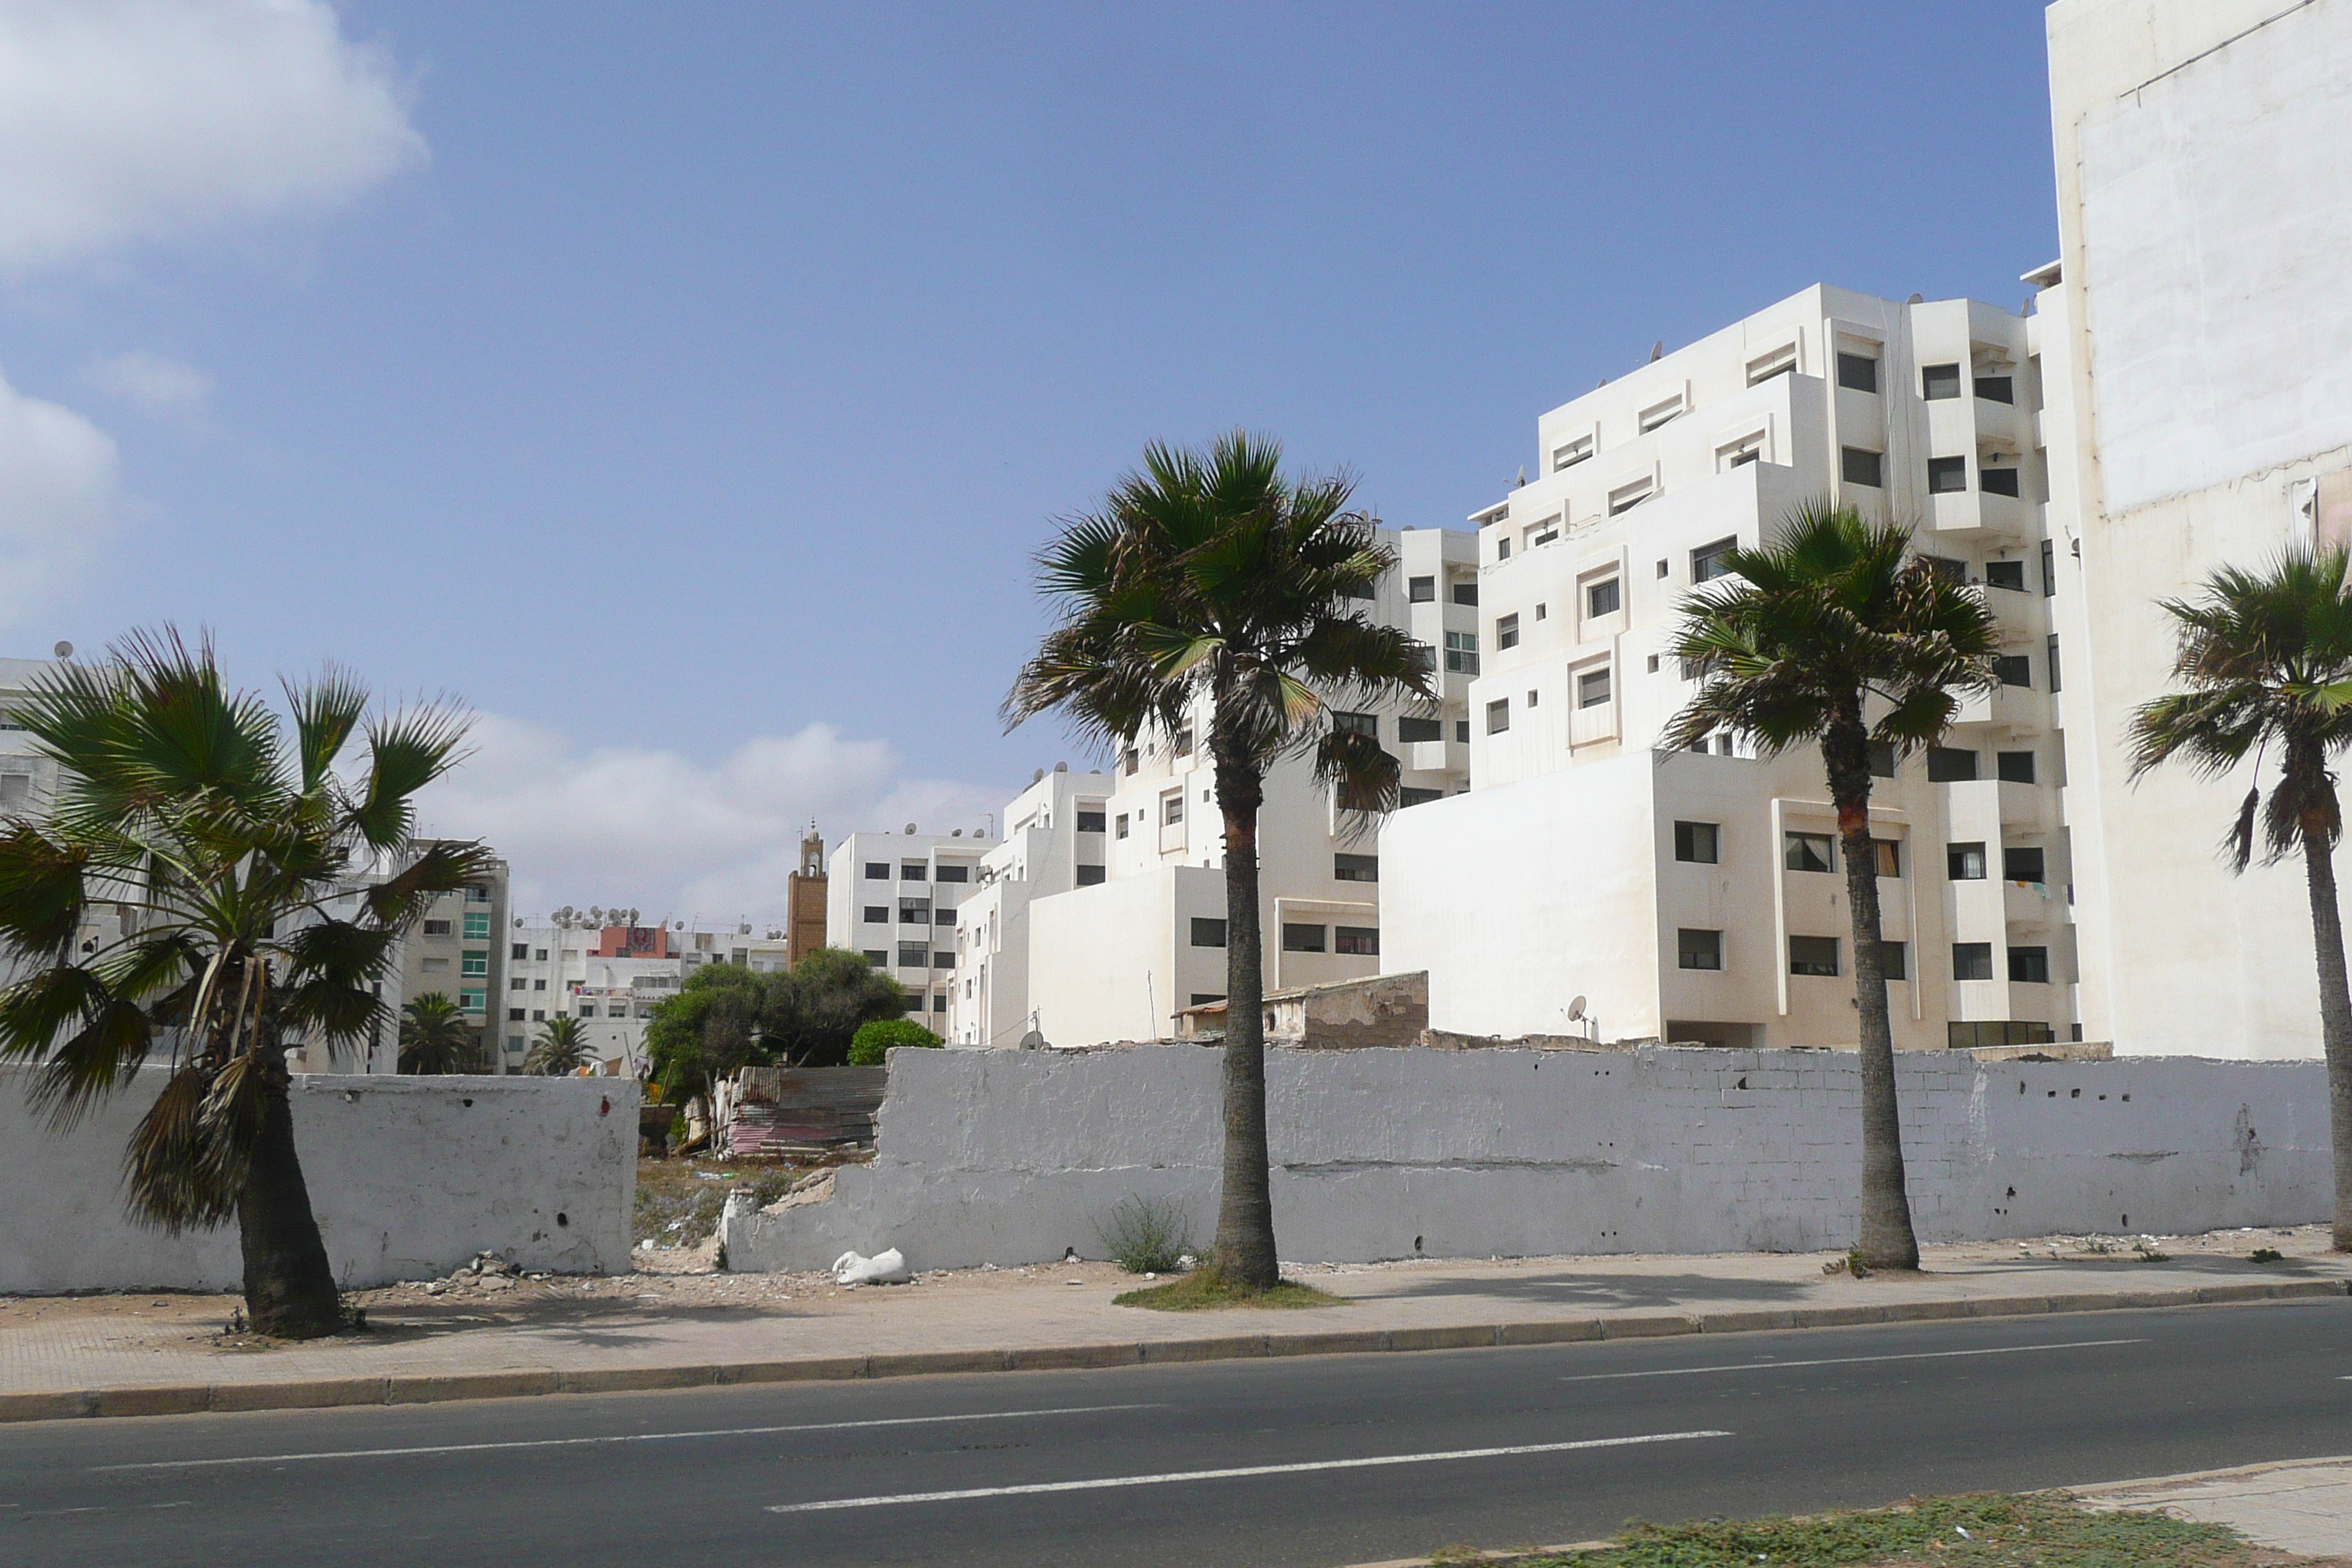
(1107, 1482)
(1846, 1359)
(630, 1437)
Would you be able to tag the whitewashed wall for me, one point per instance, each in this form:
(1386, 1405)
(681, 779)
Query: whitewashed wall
(1011, 1157)
(409, 1178)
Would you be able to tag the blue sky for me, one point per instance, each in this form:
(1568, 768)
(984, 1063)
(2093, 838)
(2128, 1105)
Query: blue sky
(686, 385)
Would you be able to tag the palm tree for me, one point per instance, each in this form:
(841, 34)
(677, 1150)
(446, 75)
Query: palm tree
(561, 1047)
(1208, 582)
(2266, 658)
(207, 886)
(1835, 634)
(435, 1038)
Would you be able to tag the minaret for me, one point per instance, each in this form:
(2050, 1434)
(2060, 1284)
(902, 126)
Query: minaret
(805, 900)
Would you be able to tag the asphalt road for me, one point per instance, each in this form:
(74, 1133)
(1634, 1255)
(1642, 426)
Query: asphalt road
(1488, 1447)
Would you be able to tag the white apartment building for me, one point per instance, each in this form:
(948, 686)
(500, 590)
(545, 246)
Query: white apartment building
(2196, 335)
(1118, 959)
(1056, 838)
(611, 976)
(455, 949)
(1699, 897)
(893, 897)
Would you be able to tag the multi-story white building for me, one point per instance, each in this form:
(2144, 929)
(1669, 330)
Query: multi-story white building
(1056, 834)
(893, 897)
(1119, 956)
(1699, 897)
(611, 976)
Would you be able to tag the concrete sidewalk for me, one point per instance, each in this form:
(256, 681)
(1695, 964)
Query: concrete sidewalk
(2299, 1505)
(152, 1355)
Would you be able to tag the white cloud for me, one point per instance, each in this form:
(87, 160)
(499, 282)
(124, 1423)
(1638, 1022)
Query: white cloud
(151, 382)
(124, 121)
(58, 497)
(656, 830)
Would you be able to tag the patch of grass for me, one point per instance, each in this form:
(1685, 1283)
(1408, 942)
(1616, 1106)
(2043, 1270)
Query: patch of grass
(1204, 1290)
(1146, 1235)
(2035, 1531)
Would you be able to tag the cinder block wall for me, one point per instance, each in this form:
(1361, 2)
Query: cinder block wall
(1011, 1157)
(409, 1178)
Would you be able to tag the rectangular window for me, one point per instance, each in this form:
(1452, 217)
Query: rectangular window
(1882, 760)
(1813, 955)
(1421, 590)
(473, 1000)
(1890, 857)
(1363, 941)
(1591, 690)
(2013, 767)
(1857, 372)
(476, 965)
(1129, 760)
(1782, 361)
(877, 914)
(2050, 652)
(876, 871)
(2010, 574)
(539, 1014)
(1602, 598)
(914, 871)
(2014, 669)
(874, 956)
(1946, 475)
(1937, 382)
(1860, 466)
(2049, 568)
(1964, 862)
(588, 1010)
(477, 925)
(2021, 863)
(1998, 388)
(434, 965)
(944, 915)
(1171, 810)
(1298, 938)
(1208, 932)
(1411, 730)
(519, 949)
(514, 1015)
(1698, 949)
(914, 912)
(1659, 413)
(1357, 590)
(1945, 566)
(1466, 593)
(1625, 498)
(477, 894)
(1182, 745)
(436, 928)
(1408, 796)
(913, 955)
(1734, 455)
(539, 986)
(1122, 825)
(542, 955)
(1709, 562)
(1462, 653)
(1506, 633)
(1950, 764)
(1807, 852)
(1571, 453)
(2029, 965)
(1972, 961)
(942, 959)
(1997, 481)
(517, 984)
(1499, 715)
(1088, 876)
(948, 873)
(1895, 959)
(1461, 731)
(1202, 998)
(1502, 550)
(1699, 843)
(1355, 867)
(1357, 723)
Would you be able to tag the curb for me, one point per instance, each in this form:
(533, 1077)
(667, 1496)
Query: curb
(193, 1399)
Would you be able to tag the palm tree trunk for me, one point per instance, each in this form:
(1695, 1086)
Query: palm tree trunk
(2335, 1013)
(1886, 1239)
(289, 1288)
(1244, 1252)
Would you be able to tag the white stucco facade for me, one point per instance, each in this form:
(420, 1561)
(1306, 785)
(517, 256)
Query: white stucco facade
(1055, 837)
(893, 897)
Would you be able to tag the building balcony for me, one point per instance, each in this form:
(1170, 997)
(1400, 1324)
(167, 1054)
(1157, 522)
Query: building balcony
(1965, 514)
(2036, 906)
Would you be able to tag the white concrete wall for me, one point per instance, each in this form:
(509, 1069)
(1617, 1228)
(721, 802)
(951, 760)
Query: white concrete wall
(409, 1177)
(1006, 1157)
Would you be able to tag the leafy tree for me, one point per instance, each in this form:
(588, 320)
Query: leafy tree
(815, 1011)
(2266, 661)
(1210, 580)
(1835, 634)
(706, 1031)
(436, 1038)
(245, 867)
(871, 1045)
(561, 1047)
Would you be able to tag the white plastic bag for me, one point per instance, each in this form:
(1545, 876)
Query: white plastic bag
(883, 1268)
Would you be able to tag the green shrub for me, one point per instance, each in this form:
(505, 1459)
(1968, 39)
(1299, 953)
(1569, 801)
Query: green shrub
(1146, 1235)
(868, 1046)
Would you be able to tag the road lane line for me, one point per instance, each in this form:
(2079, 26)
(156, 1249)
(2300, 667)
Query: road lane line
(629, 1438)
(1107, 1482)
(1846, 1359)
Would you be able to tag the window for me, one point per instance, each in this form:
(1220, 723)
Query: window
(2029, 965)
(2013, 767)
(1122, 825)
(1813, 955)
(514, 1015)
(1297, 938)
(539, 986)
(1502, 550)
(1659, 413)
(1499, 715)
(1506, 632)
(948, 873)
(2010, 574)
(877, 914)
(1698, 949)
(1409, 795)
(1202, 998)
(1591, 690)
(1709, 562)
(2021, 864)
(1534, 696)
(588, 1010)
(874, 956)
(1964, 862)
(1966, 1036)
(1357, 590)
(913, 955)
(1882, 760)
(1807, 852)
(1625, 498)
(1602, 598)
(1357, 723)
(1208, 932)
(474, 1000)
(1889, 854)
(1946, 475)
(476, 965)
(1466, 593)
(1569, 453)
(1782, 361)
(1462, 653)
(1948, 764)
(1171, 810)
(1409, 730)
(1972, 961)
(876, 871)
(1997, 481)
(436, 928)
(1355, 867)
(2049, 568)
(1129, 760)
(539, 1014)
(1857, 372)
(1895, 959)
(942, 960)
(1088, 876)
(1859, 466)
(2050, 652)
(1461, 731)
(1421, 590)
(2000, 388)
(477, 894)
(477, 925)
(519, 949)
(914, 912)
(1364, 941)
(1700, 843)
(943, 915)
(1939, 381)
(542, 955)
(1945, 566)
(913, 871)
(2014, 669)
(517, 984)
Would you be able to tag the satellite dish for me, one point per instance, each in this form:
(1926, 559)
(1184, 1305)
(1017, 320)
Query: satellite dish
(1033, 1041)
(63, 650)
(911, 827)
(1576, 1009)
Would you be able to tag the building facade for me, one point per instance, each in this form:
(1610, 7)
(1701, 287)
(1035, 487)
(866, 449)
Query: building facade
(804, 900)
(457, 949)
(1590, 882)
(1056, 838)
(893, 897)
(609, 977)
